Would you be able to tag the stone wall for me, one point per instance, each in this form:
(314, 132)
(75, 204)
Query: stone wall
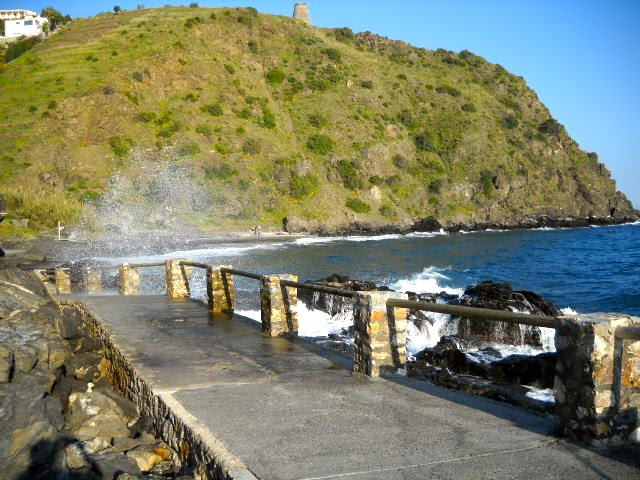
(380, 333)
(177, 428)
(597, 384)
(301, 12)
(278, 306)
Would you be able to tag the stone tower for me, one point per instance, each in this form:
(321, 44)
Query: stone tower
(301, 12)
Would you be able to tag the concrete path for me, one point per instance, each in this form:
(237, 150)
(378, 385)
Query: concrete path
(291, 410)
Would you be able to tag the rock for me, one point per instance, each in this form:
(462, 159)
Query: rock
(26, 358)
(293, 224)
(429, 224)
(124, 444)
(6, 364)
(500, 296)
(113, 464)
(535, 370)
(94, 414)
(57, 356)
(165, 468)
(333, 304)
(146, 460)
(69, 324)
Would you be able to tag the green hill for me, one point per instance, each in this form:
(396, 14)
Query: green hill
(274, 118)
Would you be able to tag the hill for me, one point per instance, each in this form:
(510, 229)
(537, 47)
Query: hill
(270, 118)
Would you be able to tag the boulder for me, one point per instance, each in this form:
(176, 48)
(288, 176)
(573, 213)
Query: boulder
(6, 364)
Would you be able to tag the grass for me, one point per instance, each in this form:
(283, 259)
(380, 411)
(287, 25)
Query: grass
(226, 86)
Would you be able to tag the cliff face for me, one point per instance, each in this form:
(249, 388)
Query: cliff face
(274, 119)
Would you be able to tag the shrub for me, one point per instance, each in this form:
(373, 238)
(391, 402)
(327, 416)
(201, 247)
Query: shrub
(486, 182)
(229, 68)
(169, 129)
(193, 21)
(357, 205)
(435, 186)
(224, 171)
(343, 34)
(275, 76)
(91, 58)
(191, 97)
(204, 129)
(42, 209)
(406, 118)
(193, 5)
(510, 122)
(137, 76)
(394, 181)
(14, 50)
(551, 127)
(251, 147)
(146, 117)
(304, 185)
(400, 161)
(366, 84)
(213, 109)
(320, 143)
(469, 107)
(189, 150)
(268, 118)
(376, 180)
(253, 46)
(333, 54)
(449, 90)
(317, 120)
(349, 171)
(245, 20)
(121, 146)
(33, 109)
(387, 211)
(252, 11)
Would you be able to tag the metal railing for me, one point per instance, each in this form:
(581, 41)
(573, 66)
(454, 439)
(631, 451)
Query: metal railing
(143, 265)
(478, 313)
(194, 264)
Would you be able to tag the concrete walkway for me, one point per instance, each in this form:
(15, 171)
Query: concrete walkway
(288, 409)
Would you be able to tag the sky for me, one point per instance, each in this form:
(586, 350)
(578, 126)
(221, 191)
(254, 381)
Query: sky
(582, 57)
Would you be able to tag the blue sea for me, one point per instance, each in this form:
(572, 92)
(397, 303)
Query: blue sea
(593, 269)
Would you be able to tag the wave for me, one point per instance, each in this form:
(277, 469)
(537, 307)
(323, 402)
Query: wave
(430, 280)
(426, 234)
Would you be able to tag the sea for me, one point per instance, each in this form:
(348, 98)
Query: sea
(583, 270)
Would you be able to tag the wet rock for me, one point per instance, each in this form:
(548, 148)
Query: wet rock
(6, 364)
(500, 296)
(26, 358)
(333, 304)
(57, 356)
(94, 414)
(145, 459)
(535, 370)
(69, 324)
(429, 224)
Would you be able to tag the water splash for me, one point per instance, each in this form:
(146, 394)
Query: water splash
(156, 196)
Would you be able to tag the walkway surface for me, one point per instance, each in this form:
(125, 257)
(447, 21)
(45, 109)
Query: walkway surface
(291, 410)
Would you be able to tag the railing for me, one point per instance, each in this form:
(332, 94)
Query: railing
(144, 265)
(478, 313)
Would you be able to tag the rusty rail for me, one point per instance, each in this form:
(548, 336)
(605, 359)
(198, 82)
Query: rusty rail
(479, 313)
(195, 264)
(143, 265)
(318, 288)
(242, 273)
(628, 333)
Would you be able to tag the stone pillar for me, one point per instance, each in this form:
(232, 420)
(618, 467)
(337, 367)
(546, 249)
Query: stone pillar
(92, 278)
(63, 280)
(129, 280)
(177, 278)
(279, 306)
(380, 333)
(597, 383)
(220, 292)
(301, 12)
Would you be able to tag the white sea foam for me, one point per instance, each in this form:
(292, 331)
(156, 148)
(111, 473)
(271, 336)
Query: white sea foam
(541, 394)
(428, 281)
(426, 234)
(314, 240)
(312, 323)
(429, 334)
(568, 311)
(374, 238)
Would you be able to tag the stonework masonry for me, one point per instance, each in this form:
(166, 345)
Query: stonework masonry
(301, 12)
(380, 333)
(63, 280)
(220, 291)
(177, 276)
(129, 280)
(279, 306)
(92, 279)
(597, 384)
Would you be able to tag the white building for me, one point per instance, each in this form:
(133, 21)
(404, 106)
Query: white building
(18, 23)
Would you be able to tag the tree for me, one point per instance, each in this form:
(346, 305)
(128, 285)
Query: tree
(54, 16)
(116, 8)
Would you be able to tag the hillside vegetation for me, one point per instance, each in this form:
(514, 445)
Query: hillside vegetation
(274, 118)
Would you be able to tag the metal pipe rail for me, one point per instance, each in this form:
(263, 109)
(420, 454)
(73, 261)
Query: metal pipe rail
(318, 288)
(480, 313)
(628, 333)
(233, 271)
(195, 264)
(142, 265)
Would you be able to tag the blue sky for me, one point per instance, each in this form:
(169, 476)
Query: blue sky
(582, 57)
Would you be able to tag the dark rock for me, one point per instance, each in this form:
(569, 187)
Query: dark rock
(69, 324)
(293, 224)
(537, 370)
(429, 224)
(333, 304)
(500, 296)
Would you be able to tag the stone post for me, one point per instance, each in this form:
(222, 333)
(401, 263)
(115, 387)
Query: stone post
(92, 280)
(129, 280)
(279, 306)
(597, 383)
(220, 292)
(63, 280)
(301, 12)
(177, 278)
(380, 333)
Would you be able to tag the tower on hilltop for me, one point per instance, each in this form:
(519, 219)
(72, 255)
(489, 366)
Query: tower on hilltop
(301, 12)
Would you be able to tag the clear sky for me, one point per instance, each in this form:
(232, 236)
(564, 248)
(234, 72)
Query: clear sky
(582, 57)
